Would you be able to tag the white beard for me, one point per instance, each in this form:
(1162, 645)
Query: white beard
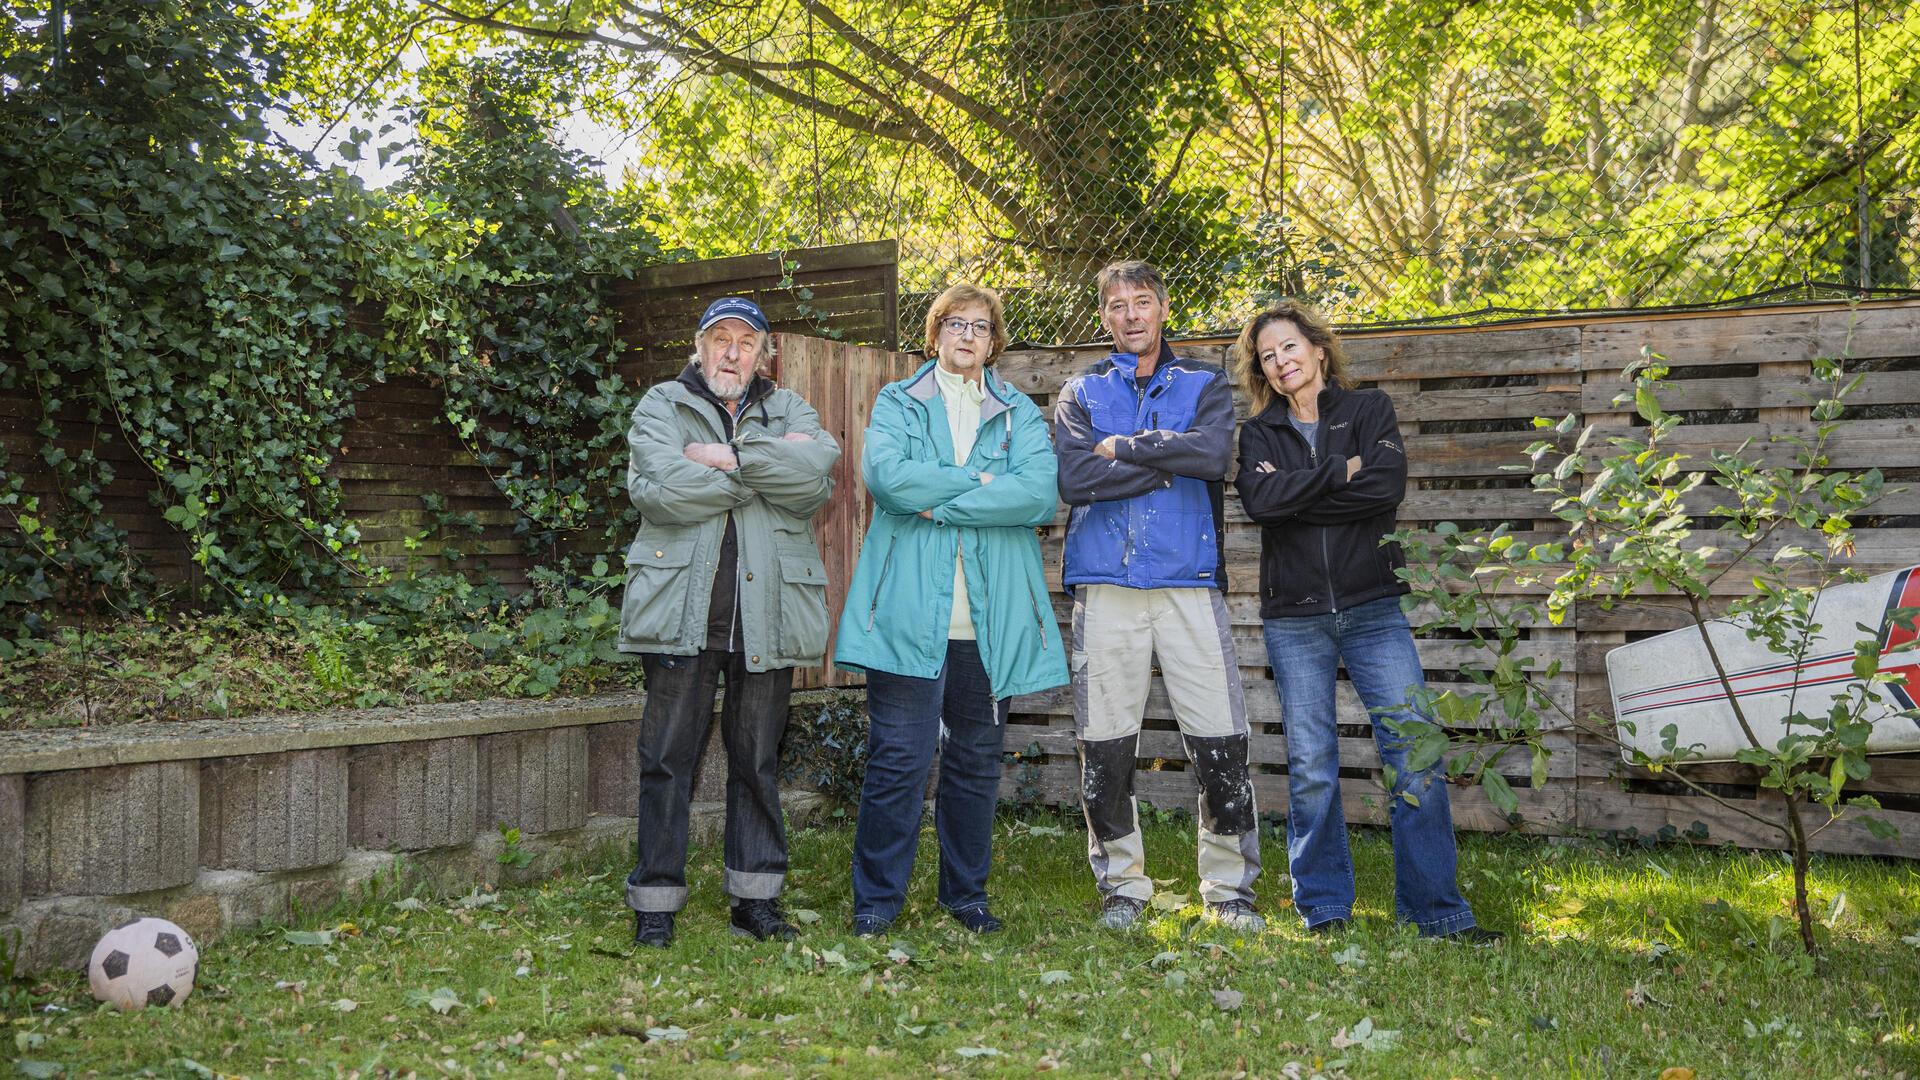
(729, 387)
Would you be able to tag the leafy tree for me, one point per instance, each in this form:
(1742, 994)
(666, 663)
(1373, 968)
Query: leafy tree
(1645, 525)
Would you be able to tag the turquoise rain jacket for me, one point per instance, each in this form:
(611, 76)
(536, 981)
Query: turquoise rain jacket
(901, 599)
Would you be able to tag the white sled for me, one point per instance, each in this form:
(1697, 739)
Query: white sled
(1669, 680)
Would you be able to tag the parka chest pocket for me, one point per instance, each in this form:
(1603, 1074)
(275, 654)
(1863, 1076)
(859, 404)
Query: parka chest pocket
(803, 605)
(656, 595)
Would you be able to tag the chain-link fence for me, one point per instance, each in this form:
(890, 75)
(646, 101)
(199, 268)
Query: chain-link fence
(1430, 159)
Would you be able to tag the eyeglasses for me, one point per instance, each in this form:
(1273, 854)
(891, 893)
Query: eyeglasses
(960, 327)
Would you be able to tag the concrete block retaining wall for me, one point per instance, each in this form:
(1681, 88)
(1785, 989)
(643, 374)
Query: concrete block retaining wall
(231, 823)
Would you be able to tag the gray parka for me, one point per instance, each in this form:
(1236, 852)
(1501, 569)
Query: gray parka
(683, 505)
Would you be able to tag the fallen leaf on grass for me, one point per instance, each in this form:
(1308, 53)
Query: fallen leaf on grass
(1678, 1072)
(805, 916)
(671, 1033)
(1169, 901)
(1227, 1000)
(309, 937)
(1365, 1036)
(1052, 978)
(1351, 956)
(345, 1005)
(411, 903)
(39, 1070)
(976, 1051)
(442, 1000)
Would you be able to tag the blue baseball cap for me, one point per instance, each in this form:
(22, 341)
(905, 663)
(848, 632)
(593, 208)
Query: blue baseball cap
(735, 307)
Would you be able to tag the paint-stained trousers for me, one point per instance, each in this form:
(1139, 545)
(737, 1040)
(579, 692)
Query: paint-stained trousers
(1117, 633)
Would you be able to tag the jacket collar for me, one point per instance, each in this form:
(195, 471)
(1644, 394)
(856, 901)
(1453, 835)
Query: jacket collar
(921, 386)
(1275, 414)
(1130, 363)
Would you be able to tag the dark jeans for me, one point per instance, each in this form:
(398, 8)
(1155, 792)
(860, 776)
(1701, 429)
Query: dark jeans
(673, 730)
(908, 719)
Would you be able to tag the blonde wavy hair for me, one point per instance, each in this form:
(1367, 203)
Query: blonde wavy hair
(1312, 325)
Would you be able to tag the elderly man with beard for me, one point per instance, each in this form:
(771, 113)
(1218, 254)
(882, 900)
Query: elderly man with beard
(723, 580)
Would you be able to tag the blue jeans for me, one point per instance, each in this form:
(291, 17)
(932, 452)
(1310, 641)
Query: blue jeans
(1377, 648)
(908, 719)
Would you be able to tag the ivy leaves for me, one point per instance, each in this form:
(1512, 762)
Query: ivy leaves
(178, 279)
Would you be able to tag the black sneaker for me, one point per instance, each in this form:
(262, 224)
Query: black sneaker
(1328, 928)
(1477, 936)
(869, 926)
(978, 919)
(762, 919)
(653, 929)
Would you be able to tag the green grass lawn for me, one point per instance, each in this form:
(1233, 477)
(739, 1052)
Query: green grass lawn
(1624, 962)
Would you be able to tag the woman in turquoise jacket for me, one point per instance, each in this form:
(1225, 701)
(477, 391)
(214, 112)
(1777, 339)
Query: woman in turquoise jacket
(948, 611)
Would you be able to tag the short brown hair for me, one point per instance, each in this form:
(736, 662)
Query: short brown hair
(1312, 325)
(1130, 272)
(959, 296)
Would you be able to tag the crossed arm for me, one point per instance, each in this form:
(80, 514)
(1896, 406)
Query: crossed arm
(947, 494)
(674, 484)
(1369, 483)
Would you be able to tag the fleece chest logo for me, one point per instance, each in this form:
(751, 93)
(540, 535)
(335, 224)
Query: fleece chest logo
(1338, 426)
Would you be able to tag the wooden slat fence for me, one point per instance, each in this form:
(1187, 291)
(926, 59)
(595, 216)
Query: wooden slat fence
(1466, 398)
(847, 292)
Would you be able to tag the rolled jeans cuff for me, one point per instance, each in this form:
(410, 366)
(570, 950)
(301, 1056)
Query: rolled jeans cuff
(1452, 924)
(745, 886)
(656, 897)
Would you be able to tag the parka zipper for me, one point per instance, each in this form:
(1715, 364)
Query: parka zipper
(886, 564)
(1326, 563)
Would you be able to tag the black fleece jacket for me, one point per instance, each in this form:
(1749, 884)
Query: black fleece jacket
(1320, 548)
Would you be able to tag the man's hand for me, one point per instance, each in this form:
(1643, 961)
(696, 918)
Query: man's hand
(986, 478)
(1265, 467)
(796, 436)
(712, 455)
(1354, 465)
(1105, 446)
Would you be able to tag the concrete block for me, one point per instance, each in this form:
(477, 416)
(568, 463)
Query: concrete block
(13, 831)
(199, 915)
(412, 796)
(534, 781)
(310, 894)
(248, 899)
(270, 812)
(613, 768)
(450, 871)
(66, 939)
(116, 829)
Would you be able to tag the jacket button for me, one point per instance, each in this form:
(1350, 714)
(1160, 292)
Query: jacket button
(749, 575)
(753, 659)
(659, 554)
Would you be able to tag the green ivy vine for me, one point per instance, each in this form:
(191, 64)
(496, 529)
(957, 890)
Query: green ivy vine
(179, 278)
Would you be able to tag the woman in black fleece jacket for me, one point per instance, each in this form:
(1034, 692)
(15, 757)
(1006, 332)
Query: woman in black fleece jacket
(1323, 470)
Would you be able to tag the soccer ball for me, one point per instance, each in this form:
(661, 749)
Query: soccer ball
(143, 962)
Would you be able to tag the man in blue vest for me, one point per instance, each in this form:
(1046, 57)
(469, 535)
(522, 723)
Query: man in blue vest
(1145, 439)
